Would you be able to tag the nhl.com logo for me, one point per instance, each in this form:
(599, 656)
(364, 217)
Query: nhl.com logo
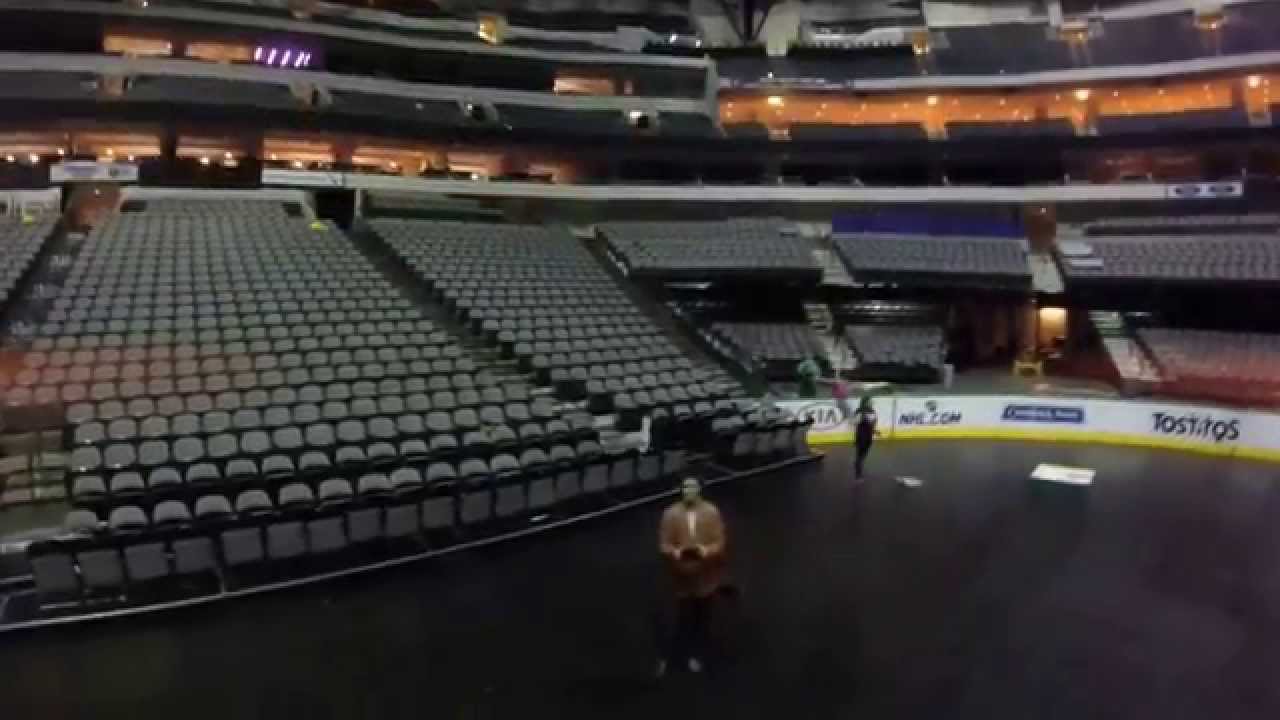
(932, 415)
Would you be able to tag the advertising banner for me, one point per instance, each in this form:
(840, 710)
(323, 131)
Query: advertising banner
(829, 422)
(1207, 429)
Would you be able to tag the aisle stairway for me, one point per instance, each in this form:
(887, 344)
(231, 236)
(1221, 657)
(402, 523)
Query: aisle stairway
(833, 346)
(32, 458)
(1131, 360)
(834, 272)
(1045, 277)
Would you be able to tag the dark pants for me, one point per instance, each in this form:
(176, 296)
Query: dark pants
(861, 449)
(692, 630)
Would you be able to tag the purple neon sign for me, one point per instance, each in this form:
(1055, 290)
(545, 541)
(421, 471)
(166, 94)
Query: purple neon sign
(282, 57)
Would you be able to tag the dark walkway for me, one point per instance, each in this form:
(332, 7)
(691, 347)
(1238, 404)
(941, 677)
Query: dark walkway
(1156, 596)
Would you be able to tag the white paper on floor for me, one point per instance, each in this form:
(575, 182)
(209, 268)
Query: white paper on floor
(1065, 474)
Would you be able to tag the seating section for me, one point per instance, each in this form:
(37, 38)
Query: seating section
(210, 91)
(1190, 120)
(747, 131)
(1177, 258)
(974, 130)
(20, 243)
(737, 248)
(924, 259)
(870, 132)
(1217, 363)
(1257, 223)
(243, 388)
(897, 346)
(396, 108)
(51, 85)
(1001, 48)
(693, 125)
(775, 346)
(583, 122)
(540, 298)
(211, 348)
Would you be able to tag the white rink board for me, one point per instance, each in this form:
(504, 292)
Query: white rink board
(1207, 429)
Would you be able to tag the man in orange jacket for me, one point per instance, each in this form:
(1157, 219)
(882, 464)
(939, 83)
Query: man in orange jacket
(691, 539)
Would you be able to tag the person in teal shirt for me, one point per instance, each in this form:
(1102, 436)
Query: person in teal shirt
(807, 375)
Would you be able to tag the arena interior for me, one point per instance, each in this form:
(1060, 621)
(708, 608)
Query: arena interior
(350, 353)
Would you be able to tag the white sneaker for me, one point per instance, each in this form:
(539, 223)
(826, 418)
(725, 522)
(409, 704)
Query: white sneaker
(695, 665)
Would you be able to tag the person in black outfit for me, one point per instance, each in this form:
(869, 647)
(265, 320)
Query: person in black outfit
(864, 433)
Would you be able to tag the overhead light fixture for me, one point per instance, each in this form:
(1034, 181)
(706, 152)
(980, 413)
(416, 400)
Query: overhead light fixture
(130, 158)
(1082, 94)
(491, 27)
(204, 160)
(257, 54)
(297, 164)
(34, 158)
(111, 151)
(776, 100)
(1253, 81)
(674, 37)
(9, 158)
(271, 57)
(284, 59)
(475, 176)
(61, 152)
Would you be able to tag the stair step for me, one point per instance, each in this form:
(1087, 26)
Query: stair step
(834, 271)
(654, 308)
(1130, 359)
(1045, 277)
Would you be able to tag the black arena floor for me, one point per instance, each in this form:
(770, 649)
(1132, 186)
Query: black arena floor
(1153, 594)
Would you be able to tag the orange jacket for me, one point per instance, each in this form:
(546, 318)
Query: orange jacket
(697, 576)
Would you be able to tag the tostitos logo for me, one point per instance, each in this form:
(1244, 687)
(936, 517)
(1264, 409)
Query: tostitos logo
(1196, 425)
(826, 416)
